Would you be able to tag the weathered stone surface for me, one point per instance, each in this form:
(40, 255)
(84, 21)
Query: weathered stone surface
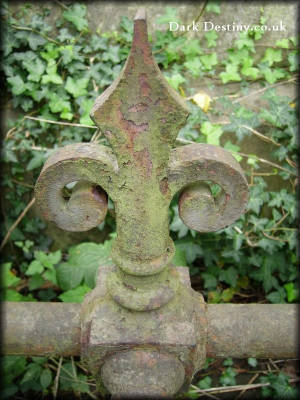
(147, 373)
(177, 328)
(90, 165)
(141, 114)
(196, 163)
(142, 312)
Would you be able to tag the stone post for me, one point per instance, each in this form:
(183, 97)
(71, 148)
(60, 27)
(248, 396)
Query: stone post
(143, 329)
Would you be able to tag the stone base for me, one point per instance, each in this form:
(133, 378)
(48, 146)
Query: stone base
(173, 335)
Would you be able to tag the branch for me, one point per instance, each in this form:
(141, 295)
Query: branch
(260, 135)
(16, 223)
(227, 389)
(49, 121)
(262, 160)
(263, 89)
(27, 28)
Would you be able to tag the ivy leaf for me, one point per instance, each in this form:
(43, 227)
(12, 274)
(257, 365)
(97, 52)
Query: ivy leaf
(35, 68)
(213, 6)
(50, 275)
(231, 74)
(233, 147)
(227, 294)
(291, 292)
(229, 276)
(85, 109)
(210, 281)
(237, 56)
(205, 383)
(99, 42)
(293, 58)
(212, 133)
(255, 204)
(35, 40)
(51, 53)
(36, 281)
(179, 258)
(67, 53)
(248, 70)
(59, 104)
(272, 55)
(46, 378)
(191, 49)
(36, 161)
(273, 75)
(69, 276)
(277, 297)
(8, 277)
(32, 373)
(245, 41)
(170, 15)
(264, 274)
(177, 225)
(252, 362)
(18, 85)
(194, 67)
(55, 257)
(52, 75)
(35, 267)
(77, 87)
(209, 60)
(84, 261)
(175, 80)
(75, 295)
(64, 35)
(211, 38)
(283, 43)
(191, 250)
(76, 15)
(112, 54)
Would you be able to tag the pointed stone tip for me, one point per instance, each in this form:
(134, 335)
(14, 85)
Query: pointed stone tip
(141, 14)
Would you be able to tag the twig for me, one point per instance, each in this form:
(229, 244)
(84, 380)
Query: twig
(260, 135)
(273, 237)
(184, 32)
(274, 365)
(264, 173)
(228, 389)
(96, 136)
(262, 160)
(56, 380)
(49, 121)
(207, 394)
(22, 184)
(26, 28)
(9, 133)
(263, 89)
(197, 18)
(16, 223)
(249, 383)
(61, 4)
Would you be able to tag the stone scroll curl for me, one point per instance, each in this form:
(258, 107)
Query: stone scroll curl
(93, 168)
(191, 169)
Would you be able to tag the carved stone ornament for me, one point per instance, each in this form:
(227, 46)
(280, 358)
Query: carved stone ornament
(143, 327)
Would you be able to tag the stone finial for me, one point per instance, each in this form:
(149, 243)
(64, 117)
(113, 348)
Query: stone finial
(140, 114)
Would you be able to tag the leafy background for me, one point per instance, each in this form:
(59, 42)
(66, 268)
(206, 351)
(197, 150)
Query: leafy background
(52, 81)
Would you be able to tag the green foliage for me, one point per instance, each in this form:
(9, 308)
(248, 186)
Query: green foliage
(279, 387)
(227, 377)
(76, 14)
(82, 264)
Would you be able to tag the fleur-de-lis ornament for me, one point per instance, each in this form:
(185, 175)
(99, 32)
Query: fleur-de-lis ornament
(140, 115)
